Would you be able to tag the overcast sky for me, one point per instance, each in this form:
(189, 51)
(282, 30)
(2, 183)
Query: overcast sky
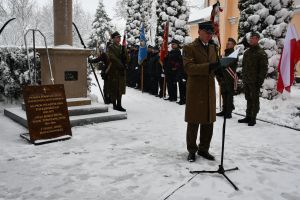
(91, 6)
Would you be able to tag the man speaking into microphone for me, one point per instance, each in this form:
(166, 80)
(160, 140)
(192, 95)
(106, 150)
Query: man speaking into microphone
(201, 62)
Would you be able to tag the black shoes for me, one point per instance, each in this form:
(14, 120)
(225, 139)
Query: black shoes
(248, 120)
(252, 122)
(227, 115)
(181, 102)
(191, 157)
(206, 155)
(220, 114)
(244, 120)
(119, 108)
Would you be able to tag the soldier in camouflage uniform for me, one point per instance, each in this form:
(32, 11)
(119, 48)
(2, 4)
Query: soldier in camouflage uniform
(254, 69)
(228, 82)
(116, 71)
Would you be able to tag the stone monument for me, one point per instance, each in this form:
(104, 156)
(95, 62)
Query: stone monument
(69, 64)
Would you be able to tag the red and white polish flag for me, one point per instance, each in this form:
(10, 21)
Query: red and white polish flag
(289, 57)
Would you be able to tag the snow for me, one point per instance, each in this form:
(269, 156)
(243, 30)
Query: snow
(253, 19)
(144, 157)
(199, 14)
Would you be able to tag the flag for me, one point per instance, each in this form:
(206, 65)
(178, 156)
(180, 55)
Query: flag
(164, 47)
(143, 47)
(215, 19)
(289, 57)
(124, 40)
(123, 53)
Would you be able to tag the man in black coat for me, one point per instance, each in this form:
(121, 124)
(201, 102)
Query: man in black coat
(228, 82)
(172, 63)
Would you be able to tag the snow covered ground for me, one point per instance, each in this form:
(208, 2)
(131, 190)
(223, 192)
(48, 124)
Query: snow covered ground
(144, 157)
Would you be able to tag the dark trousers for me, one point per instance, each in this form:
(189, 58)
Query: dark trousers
(227, 92)
(182, 90)
(252, 97)
(172, 85)
(161, 81)
(206, 132)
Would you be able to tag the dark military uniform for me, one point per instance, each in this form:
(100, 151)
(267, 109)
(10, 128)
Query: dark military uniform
(116, 72)
(254, 69)
(171, 64)
(132, 66)
(227, 82)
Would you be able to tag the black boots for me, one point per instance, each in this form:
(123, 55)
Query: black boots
(244, 120)
(118, 106)
(248, 120)
(191, 157)
(227, 115)
(252, 122)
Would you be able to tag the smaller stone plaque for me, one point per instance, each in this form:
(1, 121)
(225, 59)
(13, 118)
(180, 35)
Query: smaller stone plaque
(71, 75)
(47, 112)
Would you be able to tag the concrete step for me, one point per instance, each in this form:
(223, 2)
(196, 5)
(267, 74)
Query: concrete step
(87, 109)
(19, 115)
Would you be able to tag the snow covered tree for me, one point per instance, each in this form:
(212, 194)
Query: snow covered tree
(133, 23)
(269, 18)
(176, 11)
(14, 71)
(162, 18)
(102, 27)
(139, 12)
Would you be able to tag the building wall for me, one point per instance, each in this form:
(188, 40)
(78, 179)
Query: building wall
(295, 21)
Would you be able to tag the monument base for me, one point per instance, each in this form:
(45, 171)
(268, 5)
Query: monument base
(68, 67)
(26, 136)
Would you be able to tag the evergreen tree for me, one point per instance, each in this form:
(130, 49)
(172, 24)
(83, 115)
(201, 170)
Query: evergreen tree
(269, 18)
(177, 13)
(133, 22)
(138, 13)
(102, 27)
(162, 18)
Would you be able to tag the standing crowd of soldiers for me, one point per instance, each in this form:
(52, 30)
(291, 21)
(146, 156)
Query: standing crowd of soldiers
(157, 78)
(194, 72)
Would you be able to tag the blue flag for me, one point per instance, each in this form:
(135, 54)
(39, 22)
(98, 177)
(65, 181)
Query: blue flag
(143, 47)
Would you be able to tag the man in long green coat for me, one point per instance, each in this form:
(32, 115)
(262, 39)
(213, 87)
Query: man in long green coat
(200, 60)
(116, 71)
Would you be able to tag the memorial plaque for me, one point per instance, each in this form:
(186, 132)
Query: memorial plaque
(47, 112)
(71, 75)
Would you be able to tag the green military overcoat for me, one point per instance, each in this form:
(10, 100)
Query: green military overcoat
(116, 71)
(200, 88)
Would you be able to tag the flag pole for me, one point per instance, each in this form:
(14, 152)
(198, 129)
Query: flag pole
(142, 77)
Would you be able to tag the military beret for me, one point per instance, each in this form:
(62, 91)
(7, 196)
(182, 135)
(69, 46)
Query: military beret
(207, 26)
(174, 41)
(115, 34)
(255, 34)
(232, 40)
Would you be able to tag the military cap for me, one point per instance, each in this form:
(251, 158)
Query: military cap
(232, 40)
(115, 34)
(207, 26)
(255, 34)
(174, 41)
